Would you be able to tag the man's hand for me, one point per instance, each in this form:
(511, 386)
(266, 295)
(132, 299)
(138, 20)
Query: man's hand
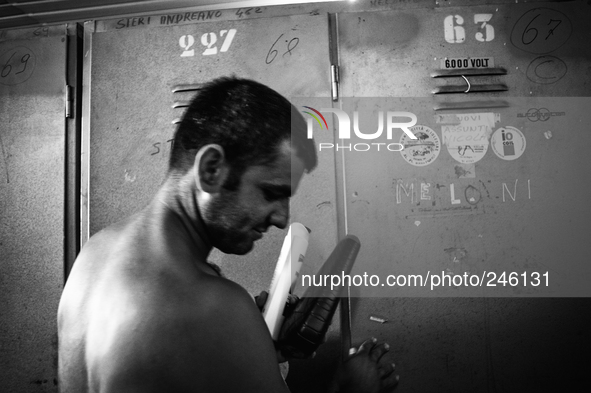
(283, 354)
(365, 371)
(261, 300)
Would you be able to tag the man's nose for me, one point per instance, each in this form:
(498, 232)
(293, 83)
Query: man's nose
(280, 214)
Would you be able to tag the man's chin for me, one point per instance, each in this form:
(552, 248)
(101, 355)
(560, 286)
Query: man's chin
(238, 248)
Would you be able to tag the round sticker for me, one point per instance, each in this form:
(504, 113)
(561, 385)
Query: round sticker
(423, 150)
(508, 143)
(468, 154)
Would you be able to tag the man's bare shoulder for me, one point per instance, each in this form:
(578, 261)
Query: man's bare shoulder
(210, 306)
(160, 319)
(214, 292)
(211, 338)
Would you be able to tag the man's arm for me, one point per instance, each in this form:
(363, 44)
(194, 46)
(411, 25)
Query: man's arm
(226, 345)
(364, 370)
(223, 345)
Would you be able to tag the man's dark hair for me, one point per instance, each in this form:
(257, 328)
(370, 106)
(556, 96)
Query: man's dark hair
(248, 119)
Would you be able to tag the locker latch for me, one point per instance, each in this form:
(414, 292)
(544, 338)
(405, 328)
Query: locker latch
(334, 82)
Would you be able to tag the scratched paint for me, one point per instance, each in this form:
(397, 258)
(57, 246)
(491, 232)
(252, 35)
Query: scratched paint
(129, 177)
(324, 204)
(398, 30)
(378, 319)
(5, 160)
(456, 254)
(465, 171)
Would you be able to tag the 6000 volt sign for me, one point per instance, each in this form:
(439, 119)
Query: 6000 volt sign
(467, 62)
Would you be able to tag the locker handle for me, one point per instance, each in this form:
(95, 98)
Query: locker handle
(181, 88)
(180, 104)
(469, 72)
(442, 106)
(473, 89)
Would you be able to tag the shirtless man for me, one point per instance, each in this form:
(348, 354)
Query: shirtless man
(143, 311)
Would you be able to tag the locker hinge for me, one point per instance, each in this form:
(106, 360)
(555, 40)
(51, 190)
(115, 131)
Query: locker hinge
(334, 82)
(68, 101)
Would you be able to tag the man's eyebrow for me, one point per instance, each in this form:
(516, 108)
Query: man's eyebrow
(278, 188)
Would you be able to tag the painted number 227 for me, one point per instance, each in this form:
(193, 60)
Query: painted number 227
(453, 26)
(209, 41)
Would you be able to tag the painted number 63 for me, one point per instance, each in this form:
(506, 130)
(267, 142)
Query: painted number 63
(453, 26)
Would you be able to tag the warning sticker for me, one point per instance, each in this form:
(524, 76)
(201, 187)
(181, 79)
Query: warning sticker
(467, 62)
(423, 150)
(508, 143)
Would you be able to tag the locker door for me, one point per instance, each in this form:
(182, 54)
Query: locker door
(443, 206)
(139, 77)
(32, 148)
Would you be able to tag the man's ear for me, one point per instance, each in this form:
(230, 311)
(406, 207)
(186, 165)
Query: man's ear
(211, 168)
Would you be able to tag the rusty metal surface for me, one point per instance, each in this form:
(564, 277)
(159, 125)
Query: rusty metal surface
(542, 47)
(475, 344)
(400, 48)
(450, 207)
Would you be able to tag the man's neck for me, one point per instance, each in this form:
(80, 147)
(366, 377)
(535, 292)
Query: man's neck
(178, 195)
